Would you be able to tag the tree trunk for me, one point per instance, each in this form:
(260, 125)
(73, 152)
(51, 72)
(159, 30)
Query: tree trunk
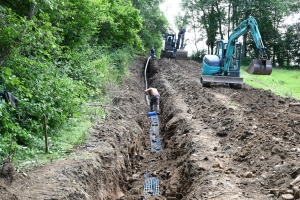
(229, 10)
(219, 21)
(31, 10)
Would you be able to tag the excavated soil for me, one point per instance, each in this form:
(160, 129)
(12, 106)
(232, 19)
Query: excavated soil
(217, 143)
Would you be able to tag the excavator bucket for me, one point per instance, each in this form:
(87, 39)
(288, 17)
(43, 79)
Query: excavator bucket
(168, 54)
(260, 67)
(181, 54)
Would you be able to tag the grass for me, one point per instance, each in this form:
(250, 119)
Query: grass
(282, 82)
(75, 133)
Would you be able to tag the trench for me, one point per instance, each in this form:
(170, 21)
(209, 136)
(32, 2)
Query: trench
(190, 164)
(126, 166)
(193, 164)
(170, 168)
(201, 133)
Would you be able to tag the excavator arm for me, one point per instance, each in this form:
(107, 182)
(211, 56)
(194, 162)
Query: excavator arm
(180, 39)
(262, 66)
(181, 54)
(257, 38)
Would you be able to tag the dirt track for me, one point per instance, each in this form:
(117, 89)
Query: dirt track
(218, 143)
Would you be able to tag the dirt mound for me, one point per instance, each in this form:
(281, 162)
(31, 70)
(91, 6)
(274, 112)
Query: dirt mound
(217, 143)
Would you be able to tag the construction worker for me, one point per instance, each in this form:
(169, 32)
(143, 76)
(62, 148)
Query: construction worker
(152, 52)
(154, 98)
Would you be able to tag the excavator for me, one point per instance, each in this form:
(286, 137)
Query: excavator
(174, 47)
(224, 65)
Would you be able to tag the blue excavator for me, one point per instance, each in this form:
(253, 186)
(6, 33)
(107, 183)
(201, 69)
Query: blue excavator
(224, 65)
(174, 47)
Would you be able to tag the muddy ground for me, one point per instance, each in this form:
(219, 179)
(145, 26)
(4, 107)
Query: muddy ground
(217, 143)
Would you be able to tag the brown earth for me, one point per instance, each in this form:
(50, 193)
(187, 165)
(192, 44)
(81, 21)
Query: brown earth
(217, 143)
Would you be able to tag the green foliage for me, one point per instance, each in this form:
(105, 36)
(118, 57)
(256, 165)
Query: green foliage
(11, 27)
(198, 56)
(121, 27)
(292, 46)
(218, 18)
(66, 56)
(19, 7)
(154, 24)
(78, 20)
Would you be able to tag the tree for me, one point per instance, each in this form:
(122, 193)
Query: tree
(206, 14)
(15, 32)
(191, 19)
(121, 25)
(292, 46)
(154, 23)
(269, 15)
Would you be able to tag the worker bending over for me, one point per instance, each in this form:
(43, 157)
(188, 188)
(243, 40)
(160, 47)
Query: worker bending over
(154, 98)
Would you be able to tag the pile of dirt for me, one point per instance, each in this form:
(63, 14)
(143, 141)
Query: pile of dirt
(217, 143)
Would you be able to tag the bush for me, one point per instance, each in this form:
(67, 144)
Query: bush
(198, 56)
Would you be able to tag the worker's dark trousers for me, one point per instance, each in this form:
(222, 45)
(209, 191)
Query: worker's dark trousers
(154, 100)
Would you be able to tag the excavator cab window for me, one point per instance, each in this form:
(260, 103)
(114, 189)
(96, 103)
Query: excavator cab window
(236, 57)
(173, 41)
(169, 40)
(225, 48)
(219, 49)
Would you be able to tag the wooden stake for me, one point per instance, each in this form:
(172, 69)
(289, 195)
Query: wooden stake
(46, 134)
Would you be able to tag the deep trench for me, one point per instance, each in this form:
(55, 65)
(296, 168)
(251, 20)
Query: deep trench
(171, 166)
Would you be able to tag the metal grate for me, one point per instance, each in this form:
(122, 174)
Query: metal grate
(151, 186)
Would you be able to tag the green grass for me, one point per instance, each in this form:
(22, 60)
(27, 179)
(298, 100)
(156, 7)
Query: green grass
(73, 134)
(285, 83)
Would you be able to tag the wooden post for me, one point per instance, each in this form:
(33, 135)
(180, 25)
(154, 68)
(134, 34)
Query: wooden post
(46, 135)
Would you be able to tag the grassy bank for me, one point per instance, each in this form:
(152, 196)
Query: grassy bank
(98, 74)
(282, 82)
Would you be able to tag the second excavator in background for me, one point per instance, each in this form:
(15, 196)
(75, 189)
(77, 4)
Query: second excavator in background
(224, 66)
(174, 47)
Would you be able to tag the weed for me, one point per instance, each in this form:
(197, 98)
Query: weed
(232, 103)
(136, 131)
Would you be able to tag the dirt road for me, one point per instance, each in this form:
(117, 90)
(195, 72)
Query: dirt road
(217, 143)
